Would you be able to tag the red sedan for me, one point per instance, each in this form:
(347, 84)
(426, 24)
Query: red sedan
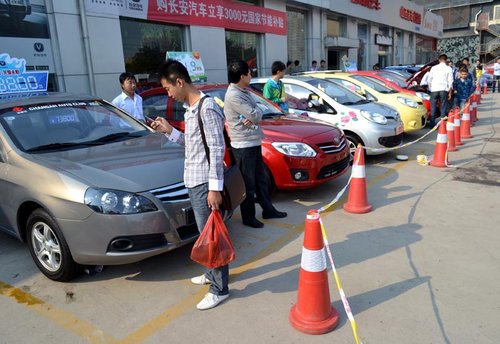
(398, 83)
(299, 152)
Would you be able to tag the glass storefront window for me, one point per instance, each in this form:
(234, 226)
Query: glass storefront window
(363, 46)
(296, 38)
(242, 46)
(145, 44)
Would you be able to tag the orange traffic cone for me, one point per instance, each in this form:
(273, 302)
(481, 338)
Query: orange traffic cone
(472, 109)
(313, 312)
(357, 201)
(478, 93)
(450, 131)
(465, 123)
(440, 157)
(485, 89)
(474, 100)
(456, 129)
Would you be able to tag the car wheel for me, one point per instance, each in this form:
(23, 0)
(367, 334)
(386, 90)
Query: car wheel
(354, 141)
(49, 248)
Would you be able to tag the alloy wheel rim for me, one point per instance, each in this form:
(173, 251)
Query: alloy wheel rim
(46, 246)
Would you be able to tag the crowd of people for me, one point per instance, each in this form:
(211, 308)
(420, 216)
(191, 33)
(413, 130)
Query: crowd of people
(450, 86)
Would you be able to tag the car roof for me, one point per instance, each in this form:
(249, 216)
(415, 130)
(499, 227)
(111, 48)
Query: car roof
(25, 99)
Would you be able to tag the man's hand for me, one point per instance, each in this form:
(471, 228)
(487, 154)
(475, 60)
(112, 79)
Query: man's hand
(161, 124)
(247, 122)
(214, 199)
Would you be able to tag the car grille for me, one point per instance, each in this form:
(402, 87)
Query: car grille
(391, 141)
(333, 169)
(171, 193)
(332, 148)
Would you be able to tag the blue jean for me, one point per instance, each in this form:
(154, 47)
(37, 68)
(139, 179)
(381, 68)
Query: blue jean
(219, 277)
(443, 97)
(251, 165)
(459, 102)
(496, 82)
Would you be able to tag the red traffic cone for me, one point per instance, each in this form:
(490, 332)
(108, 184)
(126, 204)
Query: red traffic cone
(357, 201)
(465, 123)
(313, 312)
(478, 93)
(440, 159)
(456, 129)
(450, 131)
(485, 89)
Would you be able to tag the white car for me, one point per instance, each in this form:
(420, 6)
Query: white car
(364, 122)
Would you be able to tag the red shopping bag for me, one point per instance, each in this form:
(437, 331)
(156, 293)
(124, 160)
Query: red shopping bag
(213, 248)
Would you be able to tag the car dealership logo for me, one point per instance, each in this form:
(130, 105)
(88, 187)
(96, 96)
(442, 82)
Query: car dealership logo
(38, 47)
(336, 141)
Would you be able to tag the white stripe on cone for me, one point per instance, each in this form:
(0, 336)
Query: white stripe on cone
(358, 171)
(466, 116)
(457, 122)
(449, 126)
(442, 138)
(313, 260)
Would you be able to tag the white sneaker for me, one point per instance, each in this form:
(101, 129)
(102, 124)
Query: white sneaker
(210, 301)
(200, 280)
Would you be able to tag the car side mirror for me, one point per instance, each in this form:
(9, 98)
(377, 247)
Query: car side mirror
(313, 103)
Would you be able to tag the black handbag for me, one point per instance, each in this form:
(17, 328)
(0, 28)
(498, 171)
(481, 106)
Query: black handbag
(234, 192)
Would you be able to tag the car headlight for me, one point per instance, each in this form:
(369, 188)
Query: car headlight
(294, 149)
(423, 95)
(374, 117)
(407, 102)
(108, 201)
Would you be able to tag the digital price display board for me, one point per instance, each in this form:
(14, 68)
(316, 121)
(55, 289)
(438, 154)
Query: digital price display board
(26, 82)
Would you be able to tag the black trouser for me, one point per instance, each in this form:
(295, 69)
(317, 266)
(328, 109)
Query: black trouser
(496, 80)
(251, 165)
(443, 97)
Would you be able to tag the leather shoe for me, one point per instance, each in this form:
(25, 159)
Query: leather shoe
(274, 214)
(253, 223)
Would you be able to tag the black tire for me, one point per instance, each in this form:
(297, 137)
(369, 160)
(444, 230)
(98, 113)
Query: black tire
(62, 268)
(354, 141)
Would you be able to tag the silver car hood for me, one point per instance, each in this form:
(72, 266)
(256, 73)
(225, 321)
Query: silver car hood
(134, 165)
(383, 109)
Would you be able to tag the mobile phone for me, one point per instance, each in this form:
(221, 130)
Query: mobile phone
(149, 120)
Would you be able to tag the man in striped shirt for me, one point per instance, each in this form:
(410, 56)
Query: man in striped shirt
(203, 180)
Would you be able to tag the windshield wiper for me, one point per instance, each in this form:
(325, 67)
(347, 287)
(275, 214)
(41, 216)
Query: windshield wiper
(115, 136)
(363, 101)
(59, 145)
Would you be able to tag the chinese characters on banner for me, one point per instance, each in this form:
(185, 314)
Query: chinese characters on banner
(216, 13)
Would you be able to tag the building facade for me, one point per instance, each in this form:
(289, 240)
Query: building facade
(471, 28)
(86, 44)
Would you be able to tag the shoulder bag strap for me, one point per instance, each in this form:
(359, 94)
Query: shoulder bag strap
(202, 129)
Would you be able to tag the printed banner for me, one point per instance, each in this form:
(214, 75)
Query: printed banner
(14, 78)
(217, 13)
(192, 61)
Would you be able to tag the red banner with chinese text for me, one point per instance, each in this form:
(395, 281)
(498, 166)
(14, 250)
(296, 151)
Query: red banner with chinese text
(218, 13)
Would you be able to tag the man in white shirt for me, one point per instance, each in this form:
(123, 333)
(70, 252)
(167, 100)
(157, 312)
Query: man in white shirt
(496, 75)
(440, 82)
(128, 100)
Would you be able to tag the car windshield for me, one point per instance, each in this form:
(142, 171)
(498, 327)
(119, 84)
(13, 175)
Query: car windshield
(68, 125)
(398, 80)
(374, 84)
(337, 92)
(267, 108)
